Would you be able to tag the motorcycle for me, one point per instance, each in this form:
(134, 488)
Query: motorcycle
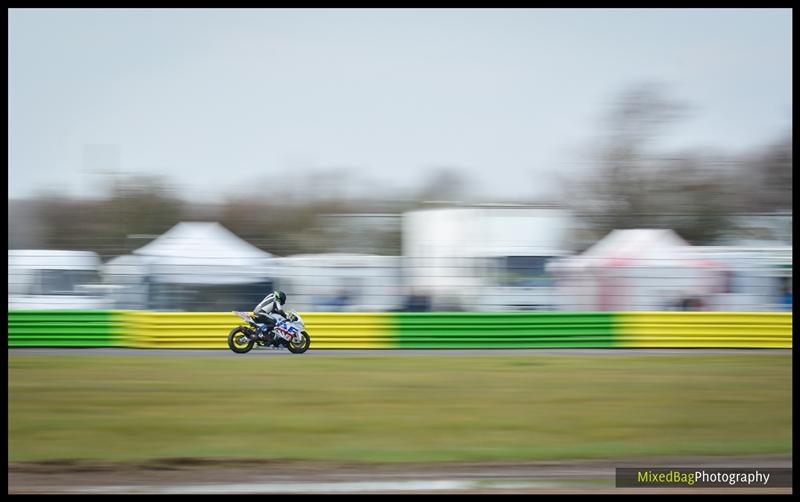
(287, 332)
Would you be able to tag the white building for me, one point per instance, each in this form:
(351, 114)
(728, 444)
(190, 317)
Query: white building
(485, 257)
(754, 277)
(332, 282)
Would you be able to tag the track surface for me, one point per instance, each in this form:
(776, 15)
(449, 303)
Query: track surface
(243, 477)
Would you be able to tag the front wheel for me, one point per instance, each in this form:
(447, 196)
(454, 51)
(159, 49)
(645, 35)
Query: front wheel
(239, 340)
(300, 346)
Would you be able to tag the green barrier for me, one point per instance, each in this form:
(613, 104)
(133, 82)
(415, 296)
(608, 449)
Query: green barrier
(505, 330)
(63, 328)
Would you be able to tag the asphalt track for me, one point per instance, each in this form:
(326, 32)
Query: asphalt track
(258, 477)
(262, 352)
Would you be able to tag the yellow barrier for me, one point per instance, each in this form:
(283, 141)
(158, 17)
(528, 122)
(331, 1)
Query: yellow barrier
(350, 331)
(209, 330)
(705, 329)
(187, 330)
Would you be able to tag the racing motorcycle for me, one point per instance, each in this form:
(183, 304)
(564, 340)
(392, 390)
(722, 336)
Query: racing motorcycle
(287, 333)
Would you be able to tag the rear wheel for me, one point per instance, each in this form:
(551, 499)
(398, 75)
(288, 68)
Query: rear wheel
(239, 340)
(300, 346)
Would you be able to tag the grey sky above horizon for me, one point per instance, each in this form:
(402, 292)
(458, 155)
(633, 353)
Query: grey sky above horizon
(221, 101)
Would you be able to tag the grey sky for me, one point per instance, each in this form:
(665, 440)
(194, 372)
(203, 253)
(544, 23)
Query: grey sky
(224, 99)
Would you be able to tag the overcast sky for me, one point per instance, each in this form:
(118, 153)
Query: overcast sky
(220, 100)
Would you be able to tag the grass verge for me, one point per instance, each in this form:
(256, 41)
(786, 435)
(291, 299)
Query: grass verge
(397, 409)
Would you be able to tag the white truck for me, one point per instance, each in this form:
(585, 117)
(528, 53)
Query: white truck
(489, 258)
(55, 279)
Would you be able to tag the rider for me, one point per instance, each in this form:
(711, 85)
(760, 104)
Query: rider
(271, 304)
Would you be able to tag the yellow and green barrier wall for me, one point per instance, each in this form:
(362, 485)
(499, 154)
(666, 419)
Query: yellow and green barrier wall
(201, 330)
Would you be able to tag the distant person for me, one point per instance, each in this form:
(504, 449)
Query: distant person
(417, 302)
(728, 282)
(271, 304)
(334, 303)
(786, 298)
(342, 300)
(691, 304)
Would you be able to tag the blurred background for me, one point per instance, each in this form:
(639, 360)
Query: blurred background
(386, 161)
(400, 160)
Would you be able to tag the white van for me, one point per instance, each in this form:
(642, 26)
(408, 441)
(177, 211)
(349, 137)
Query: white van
(53, 280)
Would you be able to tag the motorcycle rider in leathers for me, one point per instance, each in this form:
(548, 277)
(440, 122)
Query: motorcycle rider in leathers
(271, 304)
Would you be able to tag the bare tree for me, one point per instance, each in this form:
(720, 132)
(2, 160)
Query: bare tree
(443, 184)
(635, 186)
(766, 177)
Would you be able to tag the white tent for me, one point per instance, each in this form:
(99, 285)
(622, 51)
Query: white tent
(202, 253)
(639, 269)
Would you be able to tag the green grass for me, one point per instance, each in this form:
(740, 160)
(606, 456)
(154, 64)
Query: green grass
(398, 409)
